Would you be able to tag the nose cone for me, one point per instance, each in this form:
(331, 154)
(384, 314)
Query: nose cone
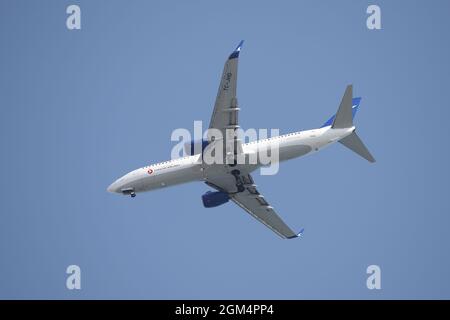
(113, 187)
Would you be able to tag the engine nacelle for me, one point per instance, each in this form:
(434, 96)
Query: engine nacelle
(195, 147)
(213, 199)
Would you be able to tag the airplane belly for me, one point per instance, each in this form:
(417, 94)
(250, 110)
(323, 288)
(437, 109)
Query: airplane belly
(293, 150)
(287, 149)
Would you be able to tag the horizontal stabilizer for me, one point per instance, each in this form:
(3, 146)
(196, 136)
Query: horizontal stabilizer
(354, 143)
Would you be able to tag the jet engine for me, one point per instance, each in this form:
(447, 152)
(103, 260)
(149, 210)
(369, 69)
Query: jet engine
(195, 147)
(213, 199)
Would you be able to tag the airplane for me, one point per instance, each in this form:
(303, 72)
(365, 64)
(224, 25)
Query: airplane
(232, 180)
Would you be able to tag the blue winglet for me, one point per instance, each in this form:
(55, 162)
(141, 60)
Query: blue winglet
(236, 51)
(298, 235)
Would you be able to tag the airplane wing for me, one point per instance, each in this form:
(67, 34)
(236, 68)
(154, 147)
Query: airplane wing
(225, 114)
(255, 204)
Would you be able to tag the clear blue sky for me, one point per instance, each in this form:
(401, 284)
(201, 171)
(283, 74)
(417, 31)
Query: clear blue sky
(80, 108)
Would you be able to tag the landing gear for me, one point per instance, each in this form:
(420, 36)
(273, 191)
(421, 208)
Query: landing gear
(129, 191)
(235, 172)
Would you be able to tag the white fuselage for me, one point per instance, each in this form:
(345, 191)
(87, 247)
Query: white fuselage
(192, 168)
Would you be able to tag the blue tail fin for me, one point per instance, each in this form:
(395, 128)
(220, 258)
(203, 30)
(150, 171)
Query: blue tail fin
(355, 103)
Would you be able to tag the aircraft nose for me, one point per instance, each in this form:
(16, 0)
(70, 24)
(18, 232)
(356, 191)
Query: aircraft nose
(113, 188)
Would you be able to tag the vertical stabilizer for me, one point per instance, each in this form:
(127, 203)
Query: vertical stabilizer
(344, 115)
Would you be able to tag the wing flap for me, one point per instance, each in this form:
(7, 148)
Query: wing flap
(259, 208)
(225, 116)
(253, 203)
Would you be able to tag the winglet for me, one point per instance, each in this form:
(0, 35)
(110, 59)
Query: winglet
(235, 53)
(298, 235)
